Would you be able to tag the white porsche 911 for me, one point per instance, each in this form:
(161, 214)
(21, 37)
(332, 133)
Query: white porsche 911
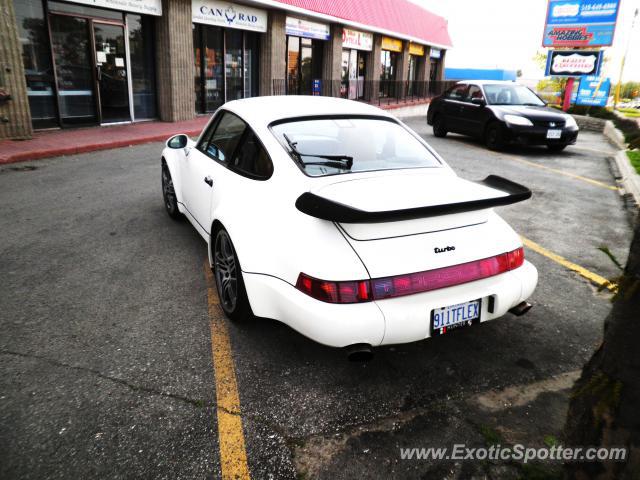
(335, 218)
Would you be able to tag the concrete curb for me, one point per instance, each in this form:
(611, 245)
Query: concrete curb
(630, 179)
(615, 136)
(90, 147)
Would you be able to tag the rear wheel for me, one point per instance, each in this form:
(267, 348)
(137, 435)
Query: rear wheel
(169, 193)
(556, 147)
(493, 137)
(229, 282)
(439, 129)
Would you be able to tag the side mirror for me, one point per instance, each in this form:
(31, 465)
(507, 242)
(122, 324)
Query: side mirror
(178, 141)
(478, 101)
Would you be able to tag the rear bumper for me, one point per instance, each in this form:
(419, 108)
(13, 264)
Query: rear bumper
(538, 136)
(390, 321)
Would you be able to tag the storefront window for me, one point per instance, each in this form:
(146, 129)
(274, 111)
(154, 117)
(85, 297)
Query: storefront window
(224, 75)
(143, 77)
(73, 64)
(36, 57)
(251, 52)
(304, 64)
(233, 65)
(388, 62)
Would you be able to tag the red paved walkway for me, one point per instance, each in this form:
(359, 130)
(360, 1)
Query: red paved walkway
(69, 142)
(81, 140)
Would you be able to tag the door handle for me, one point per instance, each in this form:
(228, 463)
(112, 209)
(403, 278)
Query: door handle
(208, 180)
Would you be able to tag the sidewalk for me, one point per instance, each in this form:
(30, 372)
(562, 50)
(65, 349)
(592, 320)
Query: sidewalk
(81, 140)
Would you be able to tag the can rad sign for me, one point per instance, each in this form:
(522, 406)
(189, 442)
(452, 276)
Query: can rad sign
(573, 63)
(593, 91)
(580, 23)
(148, 7)
(230, 15)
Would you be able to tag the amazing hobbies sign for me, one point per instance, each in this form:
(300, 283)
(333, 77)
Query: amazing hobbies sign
(573, 63)
(580, 23)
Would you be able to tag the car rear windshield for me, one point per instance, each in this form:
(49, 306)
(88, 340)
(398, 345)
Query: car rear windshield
(330, 146)
(501, 94)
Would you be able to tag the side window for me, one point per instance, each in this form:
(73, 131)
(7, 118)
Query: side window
(474, 92)
(251, 158)
(225, 138)
(457, 93)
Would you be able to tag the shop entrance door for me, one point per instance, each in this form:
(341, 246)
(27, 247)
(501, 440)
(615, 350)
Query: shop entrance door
(112, 75)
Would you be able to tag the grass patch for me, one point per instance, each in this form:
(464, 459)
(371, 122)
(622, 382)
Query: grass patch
(634, 158)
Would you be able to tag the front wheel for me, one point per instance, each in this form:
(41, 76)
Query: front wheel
(229, 282)
(169, 193)
(556, 147)
(493, 137)
(439, 129)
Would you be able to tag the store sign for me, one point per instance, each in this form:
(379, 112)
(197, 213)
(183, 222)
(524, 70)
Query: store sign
(416, 49)
(304, 28)
(356, 39)
(225, 14)
(391, 44)
(435, 53)
(593, 91)
(573, 63)
(147, 7)
(580, 23)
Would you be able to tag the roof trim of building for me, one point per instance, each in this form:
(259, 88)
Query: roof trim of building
(347, 23)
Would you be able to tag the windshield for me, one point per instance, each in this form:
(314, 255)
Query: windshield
(504, 94)
(344, 145)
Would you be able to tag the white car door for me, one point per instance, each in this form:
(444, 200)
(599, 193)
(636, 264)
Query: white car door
(205, 168)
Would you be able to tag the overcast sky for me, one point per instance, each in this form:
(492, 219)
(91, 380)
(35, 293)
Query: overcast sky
(507, 34)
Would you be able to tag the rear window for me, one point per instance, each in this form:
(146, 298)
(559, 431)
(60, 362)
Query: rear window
(330, 146)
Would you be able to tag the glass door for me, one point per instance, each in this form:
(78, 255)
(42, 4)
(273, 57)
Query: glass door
(71, 47)
(111, 72)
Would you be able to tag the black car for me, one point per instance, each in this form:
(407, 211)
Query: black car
(501, 113)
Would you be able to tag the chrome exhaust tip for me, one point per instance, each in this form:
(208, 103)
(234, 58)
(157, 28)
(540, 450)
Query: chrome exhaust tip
(359, 352)
(521, 309)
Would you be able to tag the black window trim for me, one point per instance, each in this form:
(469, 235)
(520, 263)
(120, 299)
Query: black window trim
(303, 118)
(215, 122)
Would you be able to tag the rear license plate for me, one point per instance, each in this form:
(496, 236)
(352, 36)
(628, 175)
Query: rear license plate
(554, 134)
(449, 318)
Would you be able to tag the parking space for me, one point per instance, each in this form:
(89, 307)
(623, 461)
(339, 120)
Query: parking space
(107, 321)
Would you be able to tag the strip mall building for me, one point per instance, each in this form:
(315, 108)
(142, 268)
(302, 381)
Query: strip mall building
(100, 62)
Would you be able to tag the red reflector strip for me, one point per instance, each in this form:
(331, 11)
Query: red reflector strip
(379, 288)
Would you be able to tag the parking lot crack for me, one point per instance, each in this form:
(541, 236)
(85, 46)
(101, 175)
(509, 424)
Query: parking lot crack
(138, 388)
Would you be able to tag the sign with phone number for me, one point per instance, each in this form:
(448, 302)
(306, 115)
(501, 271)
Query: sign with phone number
(580, 23)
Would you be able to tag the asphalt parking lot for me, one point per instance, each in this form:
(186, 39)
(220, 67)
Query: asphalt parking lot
(106, 319)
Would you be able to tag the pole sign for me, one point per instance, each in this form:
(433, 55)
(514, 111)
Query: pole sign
(573, 63)
(580, 23)
(593, 91)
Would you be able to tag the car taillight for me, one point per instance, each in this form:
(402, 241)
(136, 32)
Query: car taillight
(334, 292)
(379, 288)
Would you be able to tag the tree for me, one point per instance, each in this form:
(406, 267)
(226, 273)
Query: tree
(604, 409)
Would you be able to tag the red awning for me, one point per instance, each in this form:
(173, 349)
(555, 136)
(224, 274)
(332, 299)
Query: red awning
(398, 16)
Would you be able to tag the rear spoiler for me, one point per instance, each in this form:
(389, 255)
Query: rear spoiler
(326, 209)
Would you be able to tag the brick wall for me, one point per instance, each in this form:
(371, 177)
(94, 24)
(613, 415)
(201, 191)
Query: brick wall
(174, 60)
(15, 116)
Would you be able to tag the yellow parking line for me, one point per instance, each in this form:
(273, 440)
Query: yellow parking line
(233, 454)
(562, 172)
(583, 272)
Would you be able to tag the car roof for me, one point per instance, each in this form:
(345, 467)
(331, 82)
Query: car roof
(265, 110)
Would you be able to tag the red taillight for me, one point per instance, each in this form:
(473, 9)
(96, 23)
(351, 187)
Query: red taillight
(397, 286)
(334, 292)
